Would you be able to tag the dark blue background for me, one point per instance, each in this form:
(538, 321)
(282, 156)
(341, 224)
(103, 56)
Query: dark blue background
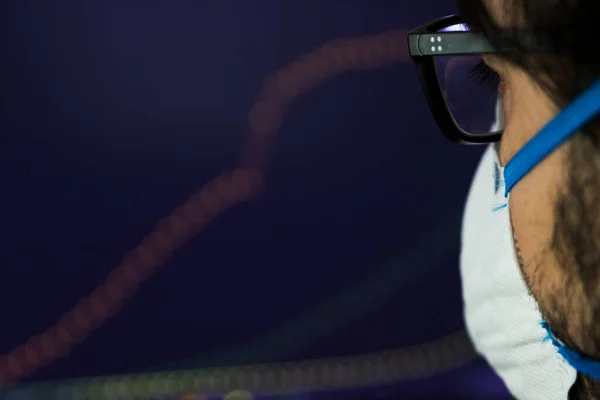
(114, 112)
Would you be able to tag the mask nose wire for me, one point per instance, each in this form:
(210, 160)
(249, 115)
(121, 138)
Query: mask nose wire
(569, 121)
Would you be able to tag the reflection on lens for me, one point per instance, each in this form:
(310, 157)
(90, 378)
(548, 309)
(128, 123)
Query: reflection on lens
(456, 28)
(470, 89)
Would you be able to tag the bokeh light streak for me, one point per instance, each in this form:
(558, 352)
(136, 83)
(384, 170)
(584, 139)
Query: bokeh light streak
(230, 188)
(310, 376)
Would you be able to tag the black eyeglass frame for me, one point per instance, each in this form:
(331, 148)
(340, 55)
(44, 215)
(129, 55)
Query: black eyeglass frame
(422, 50)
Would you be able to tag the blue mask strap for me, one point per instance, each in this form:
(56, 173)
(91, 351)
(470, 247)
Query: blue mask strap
(586, 366)
(569, 121)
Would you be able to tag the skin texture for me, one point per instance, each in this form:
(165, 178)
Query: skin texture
(526, 110)
(533, 201)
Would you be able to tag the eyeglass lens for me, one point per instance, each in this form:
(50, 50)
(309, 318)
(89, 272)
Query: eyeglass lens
(470, 89)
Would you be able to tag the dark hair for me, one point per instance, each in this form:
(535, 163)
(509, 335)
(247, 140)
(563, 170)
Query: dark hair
(570, 29)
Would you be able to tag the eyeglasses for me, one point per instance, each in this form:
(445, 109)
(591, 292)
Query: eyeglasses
(462, 91)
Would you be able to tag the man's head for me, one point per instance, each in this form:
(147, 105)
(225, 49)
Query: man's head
(555, 209)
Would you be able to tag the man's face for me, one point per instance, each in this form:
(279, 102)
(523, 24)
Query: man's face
(533, 200)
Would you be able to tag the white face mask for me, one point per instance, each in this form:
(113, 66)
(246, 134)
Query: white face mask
(503, 320)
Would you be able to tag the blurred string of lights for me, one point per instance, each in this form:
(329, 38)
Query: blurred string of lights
(266, 380)
(295, 381)
(239, 185)
(347, 304)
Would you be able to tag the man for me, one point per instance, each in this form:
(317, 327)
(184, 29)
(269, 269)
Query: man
(531, 234)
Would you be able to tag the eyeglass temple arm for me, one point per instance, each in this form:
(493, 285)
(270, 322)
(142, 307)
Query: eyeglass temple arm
(448, 43)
